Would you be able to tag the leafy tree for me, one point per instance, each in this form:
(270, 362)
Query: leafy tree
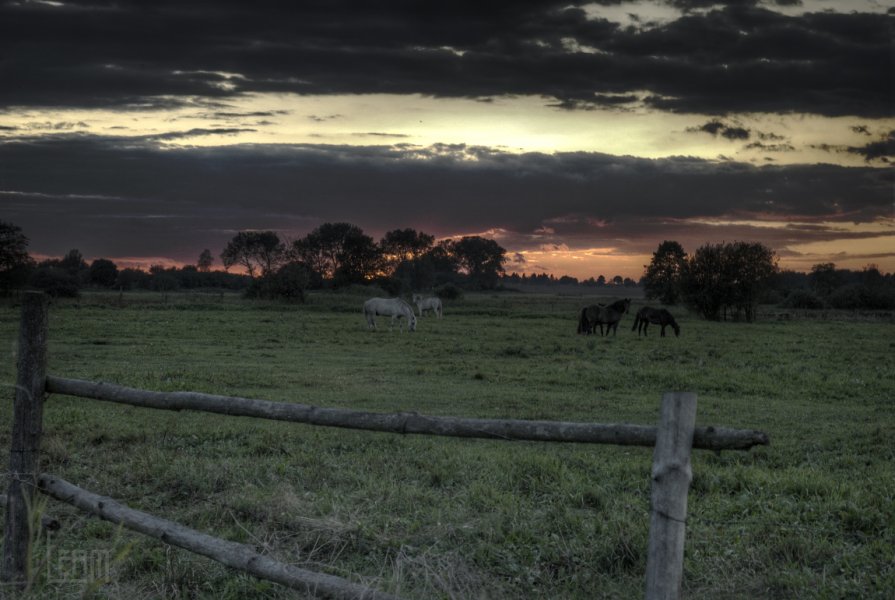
(103, 272)
(481, 258)
(259, 252)
(824, 278)
(400, 245)
(359, 261)
(662, 277)
(163, 280)
(871, 277)
(701, 279)
(618, 280)
(339, 248)
(188, 276)
(750, 270)
(15, 263)
(719, 278)
(73, 262)
(444, 262)
(205, 261)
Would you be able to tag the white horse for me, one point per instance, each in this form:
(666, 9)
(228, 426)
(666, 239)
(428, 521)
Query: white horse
(389, 307)
(432, 303)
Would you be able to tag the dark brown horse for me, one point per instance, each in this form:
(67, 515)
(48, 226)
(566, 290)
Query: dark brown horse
(598, 314)
(656, 316)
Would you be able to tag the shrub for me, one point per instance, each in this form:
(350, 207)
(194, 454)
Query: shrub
(392, 286)
(448, 291)
(56, 282)
(288, 283)
(853, 297)
(291, 281)
(802, 299)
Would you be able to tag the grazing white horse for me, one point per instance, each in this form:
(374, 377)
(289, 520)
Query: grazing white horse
(432, 303)
(389, 307)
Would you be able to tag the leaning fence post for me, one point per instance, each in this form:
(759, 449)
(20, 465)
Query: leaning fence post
(671, 481)
(27, 425)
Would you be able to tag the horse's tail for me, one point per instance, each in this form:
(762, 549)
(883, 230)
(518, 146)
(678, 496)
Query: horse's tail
(582, 321)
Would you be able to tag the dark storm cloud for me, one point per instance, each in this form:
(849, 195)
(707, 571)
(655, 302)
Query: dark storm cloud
(127, 196)
(257, 113)
(739, 57)
(883, 149)
(176, 135)
(726, 131)
(380, 134)
(770, 147)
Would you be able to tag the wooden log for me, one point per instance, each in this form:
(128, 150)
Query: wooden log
(27, 425)
(671, 481)
(504, 429)
(231, 554)
(46, 521)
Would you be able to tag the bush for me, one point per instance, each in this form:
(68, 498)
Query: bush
(448, 291)
(392, 286)
(56, 282)
(288, 283)
(802, 299)
(854, 297)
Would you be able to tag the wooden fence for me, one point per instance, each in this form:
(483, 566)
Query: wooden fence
(671, 473)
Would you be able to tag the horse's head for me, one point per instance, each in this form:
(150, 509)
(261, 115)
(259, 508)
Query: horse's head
(677, 329)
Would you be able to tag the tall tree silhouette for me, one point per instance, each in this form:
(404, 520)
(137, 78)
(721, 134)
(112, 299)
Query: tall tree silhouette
(260, 252)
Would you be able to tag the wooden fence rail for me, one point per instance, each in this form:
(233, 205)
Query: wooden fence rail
(232, 554)
(706, 438)
(671, 475)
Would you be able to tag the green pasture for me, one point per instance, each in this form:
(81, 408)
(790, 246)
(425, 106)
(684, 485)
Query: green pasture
(810, 516)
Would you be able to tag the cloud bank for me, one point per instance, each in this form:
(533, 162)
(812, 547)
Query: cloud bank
(715, 58)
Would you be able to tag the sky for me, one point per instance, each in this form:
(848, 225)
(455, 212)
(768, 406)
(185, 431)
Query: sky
(579, 135)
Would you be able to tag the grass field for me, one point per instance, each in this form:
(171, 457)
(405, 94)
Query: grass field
(812, 515)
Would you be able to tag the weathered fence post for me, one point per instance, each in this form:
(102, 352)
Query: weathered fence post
(671, 481)
(27, 426)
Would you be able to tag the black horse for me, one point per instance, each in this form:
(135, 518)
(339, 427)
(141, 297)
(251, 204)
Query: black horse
(598, 314)
(656, 316)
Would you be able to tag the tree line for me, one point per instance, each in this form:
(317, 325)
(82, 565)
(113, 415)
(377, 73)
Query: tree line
(341, 254)
(543, 279)
(331, 256)
(717, 281)
(729, 280)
